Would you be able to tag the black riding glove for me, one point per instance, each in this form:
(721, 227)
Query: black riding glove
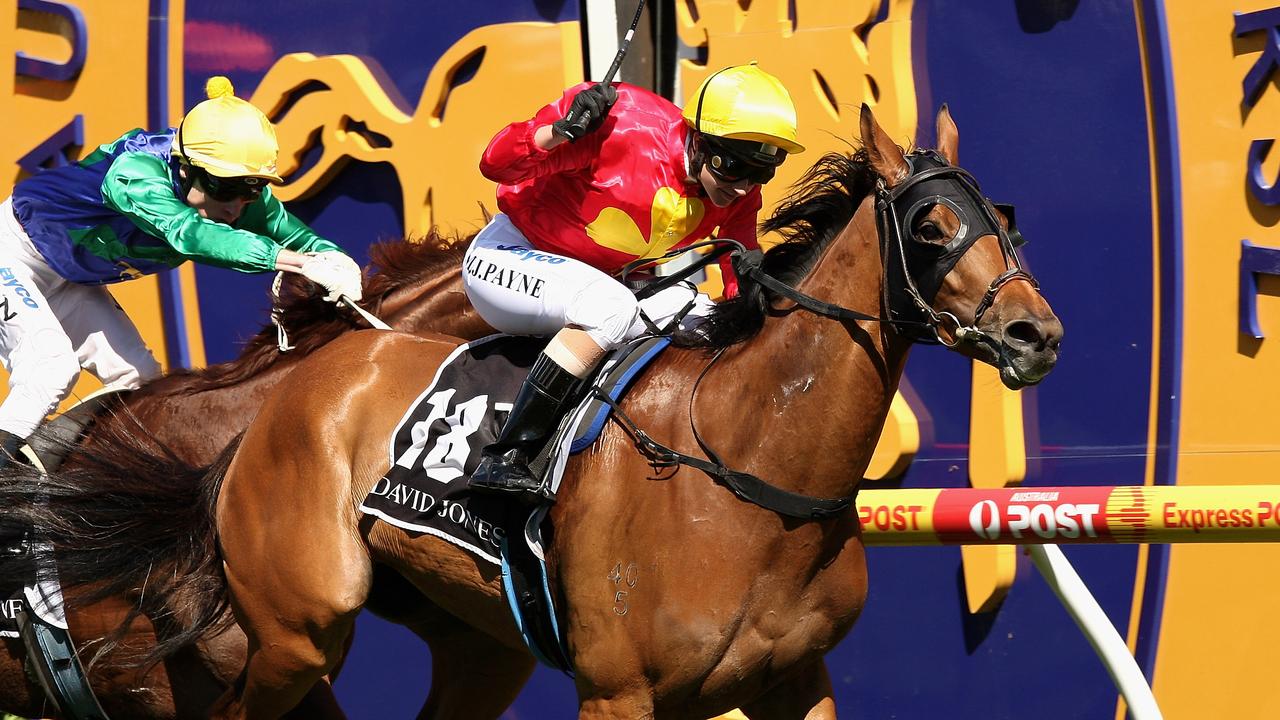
(587, 111)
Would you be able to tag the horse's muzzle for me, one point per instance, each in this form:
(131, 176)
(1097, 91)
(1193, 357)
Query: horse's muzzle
(1028, 350)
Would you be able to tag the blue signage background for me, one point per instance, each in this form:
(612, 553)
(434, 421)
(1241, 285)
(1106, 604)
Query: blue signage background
(1049, 101)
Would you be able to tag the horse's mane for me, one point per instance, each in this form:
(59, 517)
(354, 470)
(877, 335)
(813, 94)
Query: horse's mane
(816, 210)
(312, 322)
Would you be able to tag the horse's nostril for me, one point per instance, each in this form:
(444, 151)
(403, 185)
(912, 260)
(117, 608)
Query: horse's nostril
(1023, 332)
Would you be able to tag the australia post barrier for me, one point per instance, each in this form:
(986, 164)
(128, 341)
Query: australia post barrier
(1077, 515)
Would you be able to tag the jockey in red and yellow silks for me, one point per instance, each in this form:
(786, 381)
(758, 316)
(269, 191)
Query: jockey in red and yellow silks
(621, 193)
(602, 177)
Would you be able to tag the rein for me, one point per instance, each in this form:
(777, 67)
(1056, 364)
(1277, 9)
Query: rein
(743, 484)
(277, 315)
(748, 263)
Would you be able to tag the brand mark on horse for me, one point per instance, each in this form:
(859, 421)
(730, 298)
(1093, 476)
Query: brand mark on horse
(630, 576)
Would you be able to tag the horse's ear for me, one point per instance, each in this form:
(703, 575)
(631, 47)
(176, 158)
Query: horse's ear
(948, 136)
(885, 156)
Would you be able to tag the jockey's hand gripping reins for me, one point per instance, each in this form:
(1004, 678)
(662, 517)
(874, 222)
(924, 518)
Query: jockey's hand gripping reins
(277, 315)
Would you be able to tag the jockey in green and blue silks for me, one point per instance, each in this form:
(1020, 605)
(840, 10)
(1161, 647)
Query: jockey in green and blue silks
(144, 203)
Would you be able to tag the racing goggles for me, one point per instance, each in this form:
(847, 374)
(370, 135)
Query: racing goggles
(731, 164)
(227, 189)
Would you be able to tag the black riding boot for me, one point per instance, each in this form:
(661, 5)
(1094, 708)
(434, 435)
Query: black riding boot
(548, 393)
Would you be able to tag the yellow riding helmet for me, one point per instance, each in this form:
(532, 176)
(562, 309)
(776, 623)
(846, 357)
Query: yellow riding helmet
(227, 136)
(743, 102)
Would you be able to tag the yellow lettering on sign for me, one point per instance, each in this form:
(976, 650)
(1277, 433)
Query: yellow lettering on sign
(336, 107)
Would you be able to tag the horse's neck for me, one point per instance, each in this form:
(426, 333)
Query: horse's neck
(826, 386)
(436, 303)
(197, 426)
(430, 303)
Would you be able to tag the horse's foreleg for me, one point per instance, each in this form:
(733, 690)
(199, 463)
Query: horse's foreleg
(806, 695)
(293, 643)
(473, 675)
(297, 577)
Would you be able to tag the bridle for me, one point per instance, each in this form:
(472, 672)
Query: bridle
(935, 181)
(918, 271)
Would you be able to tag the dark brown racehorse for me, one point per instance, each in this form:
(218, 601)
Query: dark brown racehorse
(727, 603)
(415, 286)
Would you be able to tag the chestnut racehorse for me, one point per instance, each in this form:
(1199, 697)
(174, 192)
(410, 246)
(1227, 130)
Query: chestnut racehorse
(416, 286)
(729, 603)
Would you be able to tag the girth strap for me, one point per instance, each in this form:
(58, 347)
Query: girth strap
(57, 667)
(745, 485)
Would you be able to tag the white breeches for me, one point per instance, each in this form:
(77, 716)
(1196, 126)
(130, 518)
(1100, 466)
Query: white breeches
(523, 291)
(50, 328)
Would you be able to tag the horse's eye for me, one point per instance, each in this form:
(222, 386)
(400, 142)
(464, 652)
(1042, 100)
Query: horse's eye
(930, 232)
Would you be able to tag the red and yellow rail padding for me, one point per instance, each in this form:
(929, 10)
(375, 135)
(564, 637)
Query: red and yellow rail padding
(1070, 515)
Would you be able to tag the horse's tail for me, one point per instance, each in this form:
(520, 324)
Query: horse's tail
(128, 519)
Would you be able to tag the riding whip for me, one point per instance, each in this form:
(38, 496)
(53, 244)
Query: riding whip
(622, 48)
(575, 124)
(368, 316)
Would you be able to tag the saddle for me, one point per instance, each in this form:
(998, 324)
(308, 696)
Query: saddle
(438, 443)
(48, 447)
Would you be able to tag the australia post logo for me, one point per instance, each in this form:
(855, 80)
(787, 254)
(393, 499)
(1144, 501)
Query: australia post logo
(1030, 515)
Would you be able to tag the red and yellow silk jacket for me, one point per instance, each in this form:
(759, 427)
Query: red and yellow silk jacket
(620, 193)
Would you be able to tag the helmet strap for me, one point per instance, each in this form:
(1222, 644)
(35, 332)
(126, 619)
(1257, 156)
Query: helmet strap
(696, 157)
(188, 178)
